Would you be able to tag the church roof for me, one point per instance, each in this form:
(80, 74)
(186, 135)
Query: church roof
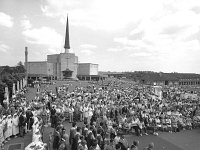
(67, 45)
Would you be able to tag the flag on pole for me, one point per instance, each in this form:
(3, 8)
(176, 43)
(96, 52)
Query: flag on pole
(13, 90)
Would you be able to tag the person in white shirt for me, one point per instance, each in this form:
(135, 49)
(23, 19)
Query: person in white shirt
(15, 127)
(90, 113)
(71, 112)
(81, 112)
(9, 125)
(85, 112)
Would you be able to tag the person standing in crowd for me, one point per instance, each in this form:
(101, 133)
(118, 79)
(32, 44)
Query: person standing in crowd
(94, 145)
(135, 126)
(72, 133)
(57, 138)
(124, 143)
(64, 143)
(22, 123)
(1, 133)
(15, 127)
(76, 113)
(29, 119)
(82, 145)
(6, 129)
(85, 113)
(71, 114)
(81, 112)
(76, 139)
(9, 126)
(53, 112)
(50, 142)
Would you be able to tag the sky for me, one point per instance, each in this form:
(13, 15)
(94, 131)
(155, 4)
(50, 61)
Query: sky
(119, 35)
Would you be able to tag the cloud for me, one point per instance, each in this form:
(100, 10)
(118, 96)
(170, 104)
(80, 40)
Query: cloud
(4, 48)
(88, 46)
(140, 54)
(122, 40)
(114, 49)
(87, 52)
(51, 8)
(6, 20)
(87, 49)
(167, 32)
(44, 36)
(128, 44)
(25, 23)
(102, 14)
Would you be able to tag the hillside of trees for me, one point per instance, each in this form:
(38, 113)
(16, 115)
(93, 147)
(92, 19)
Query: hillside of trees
(150, 76)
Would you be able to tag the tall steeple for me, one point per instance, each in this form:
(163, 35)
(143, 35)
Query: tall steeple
(67, 45)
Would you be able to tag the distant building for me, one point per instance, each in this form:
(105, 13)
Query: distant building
(88, 71)
(153, 78)
(61, 66)
(39, 69)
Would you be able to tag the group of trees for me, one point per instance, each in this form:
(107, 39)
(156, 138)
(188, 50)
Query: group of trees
(8, 76)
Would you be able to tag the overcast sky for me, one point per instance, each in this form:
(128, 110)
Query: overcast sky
(119, 35)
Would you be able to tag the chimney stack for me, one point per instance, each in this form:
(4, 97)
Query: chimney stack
(26, 61)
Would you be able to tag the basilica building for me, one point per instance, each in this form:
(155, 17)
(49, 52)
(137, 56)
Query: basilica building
(61, 66)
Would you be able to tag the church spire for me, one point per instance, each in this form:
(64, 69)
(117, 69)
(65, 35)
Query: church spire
(67, 46)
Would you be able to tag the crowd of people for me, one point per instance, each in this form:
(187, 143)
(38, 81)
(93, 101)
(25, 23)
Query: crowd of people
(110, 112)
(107, 114)
(13, 122)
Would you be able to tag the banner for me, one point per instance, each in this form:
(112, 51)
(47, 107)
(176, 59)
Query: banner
(21, 84)
(18, 86)
(6, 95)
(24, 82)
(13, 89)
